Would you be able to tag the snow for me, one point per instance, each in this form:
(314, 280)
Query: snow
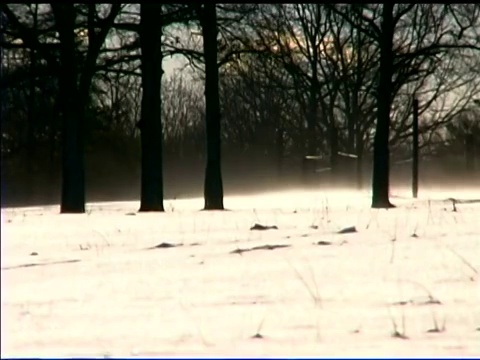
(91, 284)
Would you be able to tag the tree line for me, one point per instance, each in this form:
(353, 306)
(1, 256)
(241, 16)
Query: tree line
(305, 79)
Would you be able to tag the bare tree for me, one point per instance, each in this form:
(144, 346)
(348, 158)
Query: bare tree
(411, 39)
(350, 62)
(74, 94)
(213, 187)
(261, 122)
(294, 36)
(216, 53)
(150, 125)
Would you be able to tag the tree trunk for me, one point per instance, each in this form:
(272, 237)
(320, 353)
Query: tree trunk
(333, 133)
(357, 116)
(351, 124)
(32, 100)
(312, 114)
(333, 140)
(73, 168)
(213, 187)
(151, 198)
(31, 125)
(2, 39)
(73, 164)
(415, 150)
(381, 155)
(32, 111)
(359, 150)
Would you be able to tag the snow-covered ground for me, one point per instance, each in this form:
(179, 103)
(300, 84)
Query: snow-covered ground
(91, 285)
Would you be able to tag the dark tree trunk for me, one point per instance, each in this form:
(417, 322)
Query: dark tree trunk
(359, 150)
(334, 149)
(357, 117)
(31, 125)
(32, 111)
(73, 168)
(312, 114)
(32, 100)
(351, 133)
(312, 110)
(381, 153)
(150, 31)
(74, 88)
(415, 150)
(333, 140)
(213, 187)
(352, 120)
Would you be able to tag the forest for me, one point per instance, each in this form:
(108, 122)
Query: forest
(148, 101)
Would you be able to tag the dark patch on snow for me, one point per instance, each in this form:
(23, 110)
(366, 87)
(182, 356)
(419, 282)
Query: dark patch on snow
(399, 335)
(323, 243)
(464, 201)
(34, 253)
(435, 330)
(314, 227)
(165, 245)
(40, 264)
(215, 210)
(429, 300)
(348, 230)
(262, 247)
(131, 214)
(257, 336)
(460, 201)
(263, 227)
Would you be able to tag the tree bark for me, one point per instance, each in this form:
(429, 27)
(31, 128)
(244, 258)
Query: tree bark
(150, 31)
(31, 124)
(32, 111)
(381, 153)
(359, 153)
(73, 167)
(334, 164)
(415, 150)
(213, 187)
(313, 108)
(312, 114)
(74, 88)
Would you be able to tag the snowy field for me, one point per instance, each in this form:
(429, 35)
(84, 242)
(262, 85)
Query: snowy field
(192, 283)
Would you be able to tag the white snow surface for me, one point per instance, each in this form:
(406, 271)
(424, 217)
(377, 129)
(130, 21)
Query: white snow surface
(90, 284)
